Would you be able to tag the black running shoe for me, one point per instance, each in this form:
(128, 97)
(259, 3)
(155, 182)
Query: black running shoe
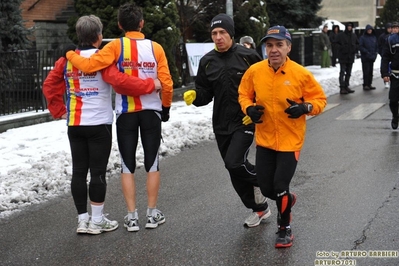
(394, 123)
(284, 238)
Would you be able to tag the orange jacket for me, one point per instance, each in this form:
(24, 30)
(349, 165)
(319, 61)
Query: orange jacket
(292, 81)
(109, 55)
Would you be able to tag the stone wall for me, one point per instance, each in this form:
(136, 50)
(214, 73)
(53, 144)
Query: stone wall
(42, 10)
(51, 35)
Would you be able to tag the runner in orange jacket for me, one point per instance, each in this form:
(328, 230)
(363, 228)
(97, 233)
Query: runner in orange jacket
(276, 94)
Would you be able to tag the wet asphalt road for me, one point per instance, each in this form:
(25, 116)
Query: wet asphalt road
(346, 182)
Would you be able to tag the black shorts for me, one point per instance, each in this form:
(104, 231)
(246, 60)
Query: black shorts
(127, 130)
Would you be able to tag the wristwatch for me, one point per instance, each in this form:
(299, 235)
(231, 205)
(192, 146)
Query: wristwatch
(309, 107)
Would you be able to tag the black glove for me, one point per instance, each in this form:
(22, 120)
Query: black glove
(296, 109)
(255, 113)
(165, 114)
(69, 47)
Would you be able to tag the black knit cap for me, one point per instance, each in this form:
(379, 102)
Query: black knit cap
(223, 21)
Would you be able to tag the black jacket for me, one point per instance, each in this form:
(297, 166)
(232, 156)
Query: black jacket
(390, 56)
(218, 78)
(347, 46)
(368, 45)
(382, 39)
(333, 36)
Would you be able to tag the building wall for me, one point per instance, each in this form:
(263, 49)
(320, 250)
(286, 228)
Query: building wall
(43, 10)
(51, 35)
(49, 32)
(360, 12)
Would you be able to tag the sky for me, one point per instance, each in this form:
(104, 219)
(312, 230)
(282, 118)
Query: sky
(35, 161)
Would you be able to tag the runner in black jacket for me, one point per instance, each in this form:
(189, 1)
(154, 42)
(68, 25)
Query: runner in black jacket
(219, 75)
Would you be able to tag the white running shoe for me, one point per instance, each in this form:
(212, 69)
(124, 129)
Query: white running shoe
(104, 226)
(155, 219)
(131, 225)
(256, 217)
(82, 227)
(259, 198)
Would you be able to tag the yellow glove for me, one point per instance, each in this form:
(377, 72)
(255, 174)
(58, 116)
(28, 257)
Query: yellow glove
(246, 120)
(189, 96)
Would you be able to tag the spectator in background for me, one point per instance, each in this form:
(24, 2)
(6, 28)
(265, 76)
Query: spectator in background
(347, 48)
(248, 42)
(390, 71)
(395, 28)
(382, 39)
(368, 46)
(334, 46)
(325, 47)
(261, 49)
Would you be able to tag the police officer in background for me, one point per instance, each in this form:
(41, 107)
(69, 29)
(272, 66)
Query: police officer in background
(390, 71)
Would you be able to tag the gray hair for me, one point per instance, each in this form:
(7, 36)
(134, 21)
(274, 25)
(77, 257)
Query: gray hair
(87, 29)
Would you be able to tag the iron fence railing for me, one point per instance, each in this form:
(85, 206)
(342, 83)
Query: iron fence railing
(21, 78)
(22, 73)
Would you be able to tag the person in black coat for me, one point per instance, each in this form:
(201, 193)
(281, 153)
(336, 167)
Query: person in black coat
(390, 71)
(368, 46)
(382, 39)
(334, 47)
(348, 44)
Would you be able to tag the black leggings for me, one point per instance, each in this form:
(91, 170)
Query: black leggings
(127, 131)
(234, 149)
(90, 149)
(394, 96)
(274, 170)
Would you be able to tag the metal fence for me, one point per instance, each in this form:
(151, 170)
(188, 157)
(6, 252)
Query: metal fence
(21, 78)
(22, 73)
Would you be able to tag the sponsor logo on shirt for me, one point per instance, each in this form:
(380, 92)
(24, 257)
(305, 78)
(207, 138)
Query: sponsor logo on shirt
(127, 64)
(80, 75)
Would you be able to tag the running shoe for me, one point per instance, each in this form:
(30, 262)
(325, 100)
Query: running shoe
(284, 237)
(131, 225)
(259, 198)
(155, 219)
(82, 227)
(104, 226)
(256, 218)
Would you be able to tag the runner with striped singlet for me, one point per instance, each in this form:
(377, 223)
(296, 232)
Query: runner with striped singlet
(89, 115)
(143, 58)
